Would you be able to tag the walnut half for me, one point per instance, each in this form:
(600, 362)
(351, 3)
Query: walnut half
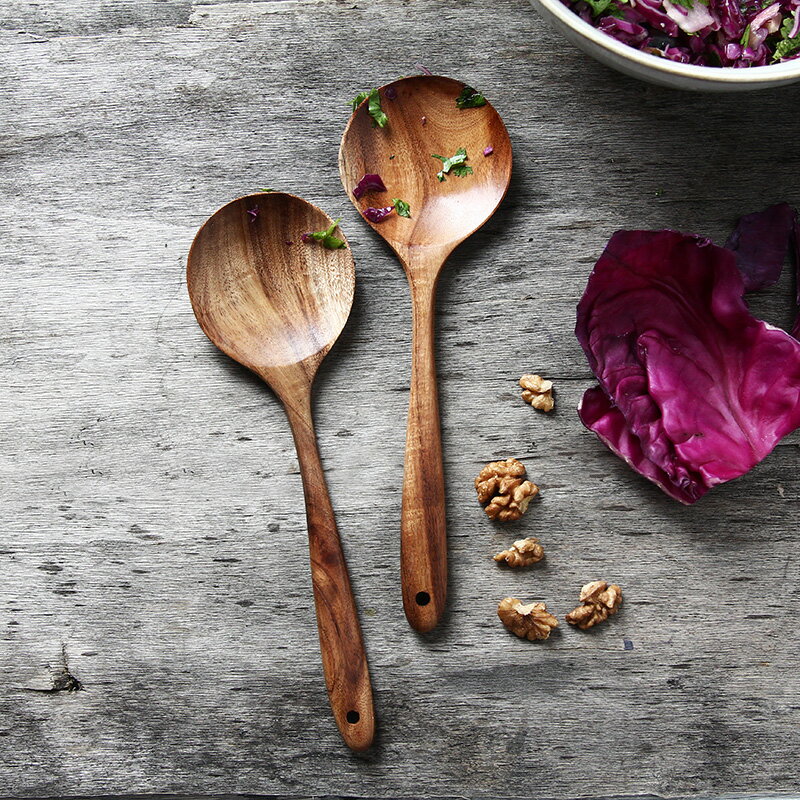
(599, 601)
(537, 391)
(522, 553)
(500, 485)
(531, 621)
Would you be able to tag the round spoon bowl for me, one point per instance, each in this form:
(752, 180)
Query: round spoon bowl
(424, 120)
(260, 293)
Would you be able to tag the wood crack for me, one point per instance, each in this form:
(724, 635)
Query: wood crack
(63, 681)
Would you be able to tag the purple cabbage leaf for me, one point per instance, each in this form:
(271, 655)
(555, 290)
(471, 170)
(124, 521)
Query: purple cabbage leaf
(760, 242)
(693, 390)
(796, 328)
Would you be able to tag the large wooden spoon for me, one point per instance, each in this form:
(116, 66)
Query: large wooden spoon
(276, 305)
(424, 120)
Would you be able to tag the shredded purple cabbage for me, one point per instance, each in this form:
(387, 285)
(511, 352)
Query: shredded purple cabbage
(369, 183)
(711, 33)
(377, 214)
(487, 151)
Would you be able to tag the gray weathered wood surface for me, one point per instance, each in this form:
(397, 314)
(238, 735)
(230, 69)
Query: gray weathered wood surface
(152, 522)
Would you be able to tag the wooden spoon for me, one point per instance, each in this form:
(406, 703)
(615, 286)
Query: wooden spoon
(425, 120)
(276, 305)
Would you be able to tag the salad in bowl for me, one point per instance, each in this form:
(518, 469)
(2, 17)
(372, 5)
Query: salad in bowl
(705, 45)
(710, 33)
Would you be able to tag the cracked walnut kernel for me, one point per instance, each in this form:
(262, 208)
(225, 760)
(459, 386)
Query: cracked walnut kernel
(500, 485)
(522, 553)
(531, 621)
(537, 391)
(599, 601)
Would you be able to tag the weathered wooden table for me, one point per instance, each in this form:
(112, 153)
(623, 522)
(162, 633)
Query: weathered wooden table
(152, 536)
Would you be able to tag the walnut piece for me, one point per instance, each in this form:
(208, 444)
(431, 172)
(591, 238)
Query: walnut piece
(522, 553)
(537, 391)
(531, 621)
(599, 601)
(500, 484)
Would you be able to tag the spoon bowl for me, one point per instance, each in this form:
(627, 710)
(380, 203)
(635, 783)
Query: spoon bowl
(276, 304)
(260, 293)
(424, 120)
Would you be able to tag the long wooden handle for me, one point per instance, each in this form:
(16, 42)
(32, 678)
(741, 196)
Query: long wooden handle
(344, 660)
(423, 551)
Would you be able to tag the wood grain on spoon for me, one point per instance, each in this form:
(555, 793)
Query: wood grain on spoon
(276, 305)
(424, 120)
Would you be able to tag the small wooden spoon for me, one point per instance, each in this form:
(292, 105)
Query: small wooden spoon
(424, 120)
(276, 305)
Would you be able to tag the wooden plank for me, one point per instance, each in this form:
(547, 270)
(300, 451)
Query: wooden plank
(152, 520)
(351, 797)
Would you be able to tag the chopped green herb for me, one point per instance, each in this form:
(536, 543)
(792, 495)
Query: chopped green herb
(326, 237)
(787, 46)
(359, 99)
(460, 170)
(689, 4)
(614, 7)
(745, 40)
(266, 190)
(455, 164)
(379, 118)
(391, 158)
(599, 6)
(402, 208)
(470, 98)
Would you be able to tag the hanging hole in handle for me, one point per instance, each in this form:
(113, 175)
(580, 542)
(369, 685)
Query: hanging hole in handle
(422, 598)
(353, 717)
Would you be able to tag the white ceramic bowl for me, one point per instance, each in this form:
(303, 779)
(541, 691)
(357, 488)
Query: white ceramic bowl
(651, 68)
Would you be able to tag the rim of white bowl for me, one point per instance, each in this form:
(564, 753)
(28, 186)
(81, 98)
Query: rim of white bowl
(770, 72)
